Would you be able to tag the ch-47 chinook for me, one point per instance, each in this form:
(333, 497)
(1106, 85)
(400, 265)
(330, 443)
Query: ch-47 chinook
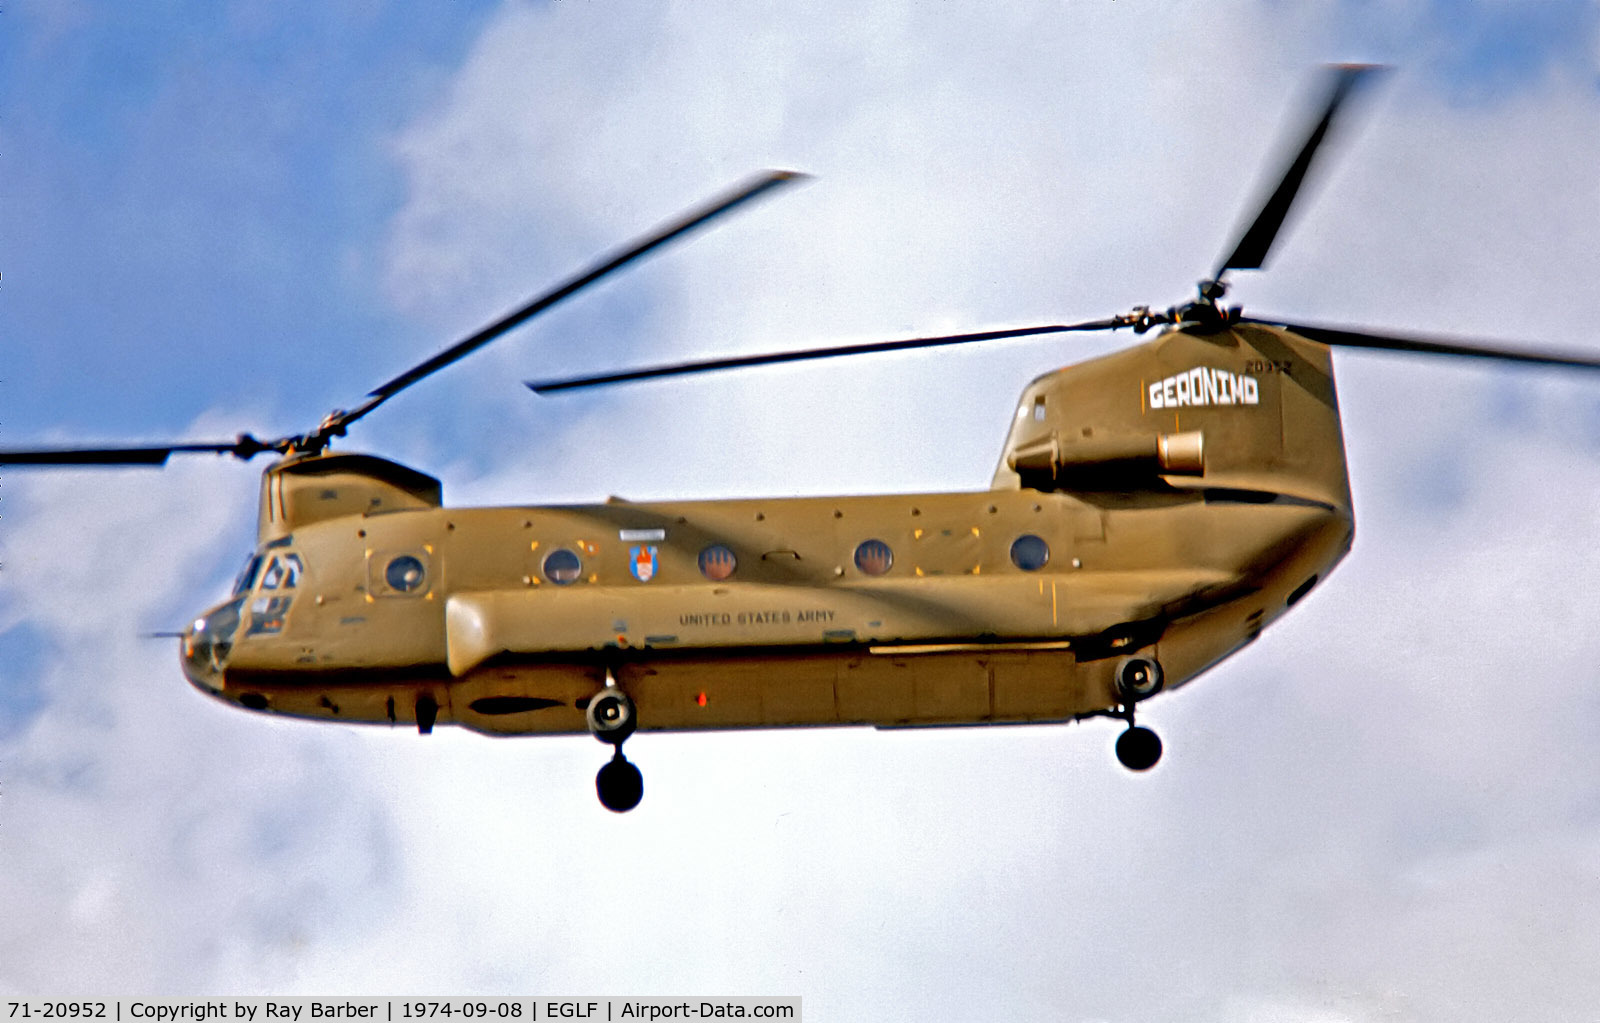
(1153, 511)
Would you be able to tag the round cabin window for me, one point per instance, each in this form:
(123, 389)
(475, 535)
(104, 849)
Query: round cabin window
(562, 567)
(1030, 553)
(873, 557)
(717, 563)
(404, 574)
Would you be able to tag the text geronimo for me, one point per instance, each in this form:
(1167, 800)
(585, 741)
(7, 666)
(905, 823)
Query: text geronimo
(1202, 386)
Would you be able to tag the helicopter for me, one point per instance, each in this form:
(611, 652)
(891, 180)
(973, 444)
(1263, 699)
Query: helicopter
(1152, 512)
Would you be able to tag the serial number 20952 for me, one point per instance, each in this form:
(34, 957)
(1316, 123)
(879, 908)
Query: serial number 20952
(1267, 366)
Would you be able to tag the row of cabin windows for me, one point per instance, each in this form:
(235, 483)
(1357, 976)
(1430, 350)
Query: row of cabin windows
(718, 563)
(406, 573)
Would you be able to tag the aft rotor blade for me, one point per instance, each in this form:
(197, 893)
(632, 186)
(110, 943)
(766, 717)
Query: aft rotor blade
(244, 447)
(1347, 337)
(1251, 251)
(770, 358)
(697, 217)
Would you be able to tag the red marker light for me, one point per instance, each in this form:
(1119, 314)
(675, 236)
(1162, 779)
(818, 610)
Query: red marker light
(701, 699)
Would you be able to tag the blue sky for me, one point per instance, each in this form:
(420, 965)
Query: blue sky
(236, 216)
(189, 186)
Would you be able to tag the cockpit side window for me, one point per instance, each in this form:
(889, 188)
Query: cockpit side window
(281, 576)
(267, 614)
(283, 572)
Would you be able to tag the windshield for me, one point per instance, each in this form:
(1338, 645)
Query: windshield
(247, 577)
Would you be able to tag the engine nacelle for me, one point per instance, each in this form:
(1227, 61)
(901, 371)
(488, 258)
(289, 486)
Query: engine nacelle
(1110, 461)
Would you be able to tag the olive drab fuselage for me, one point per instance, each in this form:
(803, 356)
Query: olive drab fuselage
(1166, 501)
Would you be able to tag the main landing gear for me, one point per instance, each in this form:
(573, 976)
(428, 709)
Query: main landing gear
(612, 719)
(1137, 678)
(1138, 748)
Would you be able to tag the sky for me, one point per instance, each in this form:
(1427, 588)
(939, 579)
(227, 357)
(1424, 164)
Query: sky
(235, 216)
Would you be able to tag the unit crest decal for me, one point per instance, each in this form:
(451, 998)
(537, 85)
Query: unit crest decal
(642, 562)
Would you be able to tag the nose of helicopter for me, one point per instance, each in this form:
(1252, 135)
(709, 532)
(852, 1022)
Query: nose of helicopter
(206, 644)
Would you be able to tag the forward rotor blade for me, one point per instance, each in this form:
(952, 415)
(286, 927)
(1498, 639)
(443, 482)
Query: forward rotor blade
(743, 361)
(697, 217)
(1346, 337)
(244, 447)
(1251, 251)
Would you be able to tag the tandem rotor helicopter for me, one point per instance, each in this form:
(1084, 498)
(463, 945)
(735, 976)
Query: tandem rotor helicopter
(1153, 510)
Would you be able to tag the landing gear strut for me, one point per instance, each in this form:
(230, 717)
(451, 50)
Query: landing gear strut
(612, 718)
(1136, 679)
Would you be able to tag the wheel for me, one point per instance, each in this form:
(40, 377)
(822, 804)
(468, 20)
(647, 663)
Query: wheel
(611, 716)
(1138, 748)
(619, 785)
(1138, 678)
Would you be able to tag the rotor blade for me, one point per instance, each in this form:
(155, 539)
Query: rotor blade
(1350, 338)
(742, 361)
(1251, 251)
(245, 446)
(694, 218)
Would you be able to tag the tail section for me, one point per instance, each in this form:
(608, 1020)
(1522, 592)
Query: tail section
(1251, 408)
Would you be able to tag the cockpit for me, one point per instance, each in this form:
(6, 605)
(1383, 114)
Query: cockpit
(263, 593)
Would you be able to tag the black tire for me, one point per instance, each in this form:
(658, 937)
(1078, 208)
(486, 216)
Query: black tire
(619, 785)
(1138, 678)
(1138, 748)
(611, 716)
